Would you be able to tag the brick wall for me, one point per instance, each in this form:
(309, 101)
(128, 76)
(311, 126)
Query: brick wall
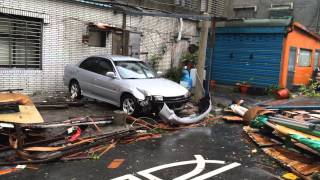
(64, 25)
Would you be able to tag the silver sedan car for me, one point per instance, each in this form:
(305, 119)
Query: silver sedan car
(125, 82)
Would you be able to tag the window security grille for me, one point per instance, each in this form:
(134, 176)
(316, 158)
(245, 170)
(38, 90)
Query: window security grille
(20, 42)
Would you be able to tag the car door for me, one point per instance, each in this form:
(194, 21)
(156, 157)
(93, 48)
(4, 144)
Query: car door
(107, 87)
(87, 75)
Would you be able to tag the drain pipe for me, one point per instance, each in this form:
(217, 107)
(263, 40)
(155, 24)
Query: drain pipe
(180, 30)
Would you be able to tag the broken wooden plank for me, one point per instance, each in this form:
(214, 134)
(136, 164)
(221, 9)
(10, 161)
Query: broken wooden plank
(299, 164)
(297, 144)
(315, 115)
(315, 111)
(299, 117)
(28, 114)
(259, 139)
(301, 112)
(232, 118)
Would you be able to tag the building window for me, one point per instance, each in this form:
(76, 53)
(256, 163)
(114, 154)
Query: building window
(245, 12)
(277, 11)
(282, 6)
(316, 59)
(304, 58)
(20, 42)
(97, 37)
(292, 59)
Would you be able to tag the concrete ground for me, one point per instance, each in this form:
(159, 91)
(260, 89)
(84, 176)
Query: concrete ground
(220, 141)
(224, 142)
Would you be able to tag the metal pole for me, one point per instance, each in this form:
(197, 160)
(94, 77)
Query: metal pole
(212, 44)
(318, 19)
(294, 107)
(124, 25)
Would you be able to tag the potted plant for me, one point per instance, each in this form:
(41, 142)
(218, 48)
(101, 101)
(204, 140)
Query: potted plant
(283, 93)
(279, 92)
(243, 87)
(189, 60)
(174, 74)
(154, 61)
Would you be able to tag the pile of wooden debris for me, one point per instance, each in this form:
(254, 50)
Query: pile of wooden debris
(27, 139)
(289, 132)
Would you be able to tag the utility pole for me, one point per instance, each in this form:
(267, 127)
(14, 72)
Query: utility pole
(211, 46)
(124, 26)
(318, 19)
(199, 90)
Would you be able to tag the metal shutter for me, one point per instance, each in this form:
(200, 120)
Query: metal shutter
(252, 57)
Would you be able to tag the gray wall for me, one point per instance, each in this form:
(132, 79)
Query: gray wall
(305, 11)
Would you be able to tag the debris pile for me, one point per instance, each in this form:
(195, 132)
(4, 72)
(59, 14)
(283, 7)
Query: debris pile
(73, 139)
(290, 134)
(79, 138)
(26, 139)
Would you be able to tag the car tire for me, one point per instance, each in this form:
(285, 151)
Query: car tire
(75, 90)
(129, 105)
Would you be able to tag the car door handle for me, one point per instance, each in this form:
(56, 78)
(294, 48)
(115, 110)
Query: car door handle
(97, 79)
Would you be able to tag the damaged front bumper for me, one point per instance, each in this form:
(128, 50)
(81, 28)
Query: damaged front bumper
(155, 103)
(169, 115)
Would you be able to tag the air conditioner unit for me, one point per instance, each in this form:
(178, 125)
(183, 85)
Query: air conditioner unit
(288, 6)
(254, 8)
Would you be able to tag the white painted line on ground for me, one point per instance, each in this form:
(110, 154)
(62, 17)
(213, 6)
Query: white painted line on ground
(201, 164)
(217, 171)
(126, 177)
(147, 173)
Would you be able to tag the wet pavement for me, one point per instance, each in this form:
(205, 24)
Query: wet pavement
(223, 142)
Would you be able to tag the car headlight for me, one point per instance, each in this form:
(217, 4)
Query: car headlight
(158, 98)
(187, 95)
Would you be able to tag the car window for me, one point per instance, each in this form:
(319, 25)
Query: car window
(89, 64)
(134, 70)
(104, 66)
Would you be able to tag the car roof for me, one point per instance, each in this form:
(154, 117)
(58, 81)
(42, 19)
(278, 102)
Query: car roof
(118, 57)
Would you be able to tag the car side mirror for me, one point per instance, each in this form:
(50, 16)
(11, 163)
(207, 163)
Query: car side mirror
(159, 73)
(111, 75)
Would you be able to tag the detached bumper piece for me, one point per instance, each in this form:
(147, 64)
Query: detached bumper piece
(169, 115)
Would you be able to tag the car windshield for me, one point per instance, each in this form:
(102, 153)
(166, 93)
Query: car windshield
(134, 70)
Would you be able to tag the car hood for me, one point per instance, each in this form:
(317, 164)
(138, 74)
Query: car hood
(158, 86)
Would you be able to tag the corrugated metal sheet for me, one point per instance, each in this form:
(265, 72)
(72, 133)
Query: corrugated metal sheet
(248, 54)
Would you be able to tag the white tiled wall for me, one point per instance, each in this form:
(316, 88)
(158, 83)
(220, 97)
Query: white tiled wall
(62, 39)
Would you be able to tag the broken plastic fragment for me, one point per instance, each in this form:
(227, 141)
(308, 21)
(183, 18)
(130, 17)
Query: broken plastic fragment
(169, 115)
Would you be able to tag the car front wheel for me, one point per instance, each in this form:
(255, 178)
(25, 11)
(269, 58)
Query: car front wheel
(75, 90)
(130, 105)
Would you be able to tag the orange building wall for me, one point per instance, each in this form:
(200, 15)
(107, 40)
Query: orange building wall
(298, 39)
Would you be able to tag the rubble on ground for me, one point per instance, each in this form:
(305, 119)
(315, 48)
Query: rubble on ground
(26, 142)
(288, 132)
